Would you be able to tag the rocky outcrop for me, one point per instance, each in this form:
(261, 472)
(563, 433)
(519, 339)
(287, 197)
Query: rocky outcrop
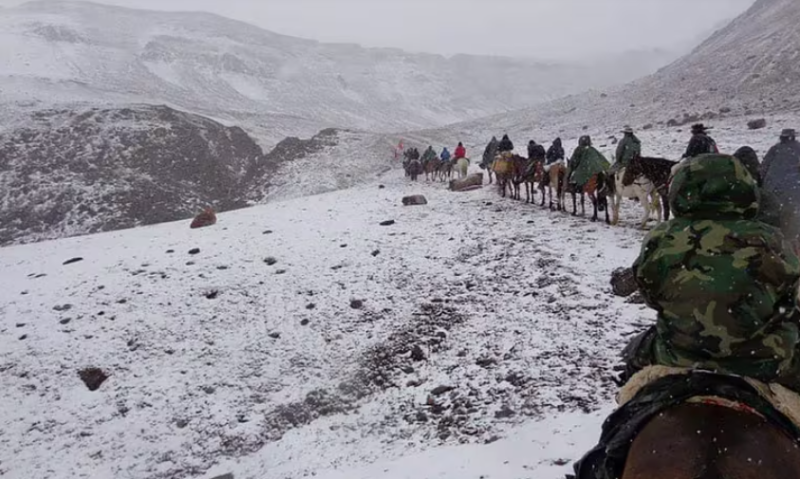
(76, 171)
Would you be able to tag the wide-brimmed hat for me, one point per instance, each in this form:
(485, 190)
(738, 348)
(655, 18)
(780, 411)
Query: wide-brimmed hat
(788, 133)
(627, 129)
(701, 127)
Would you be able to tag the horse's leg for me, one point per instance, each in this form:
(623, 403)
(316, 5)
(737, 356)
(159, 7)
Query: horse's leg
(645, 201)
(574, 203)
(617, 202)
(583, 203)
(665, 205)
(594, 201)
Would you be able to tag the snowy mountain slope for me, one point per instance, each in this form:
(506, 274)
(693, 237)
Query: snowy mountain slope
(747, 69)
(357, 343)
(65, 172)
(271, 85)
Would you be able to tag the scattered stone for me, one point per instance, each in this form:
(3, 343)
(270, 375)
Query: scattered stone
(376, 252)
(486, 362)
(438, 391)
(356, 304)
(65, 321)
(209, 389)
(73, 260)
(623, 282)
(24, 293)
(505, 412)
(414, 200)
(62, 308)
(636, 298)
(380, 187)
(757, 124)
(93, 378)
(268, 232)
(122, 301)
(280, 271)
(648, 126)
(224, 476)
(194, 251)
(169, 352)
(310, 306)
(275, 335)
(212, 294)
(304, 322)
(23, 337)
(20, 325)
(270, 261)
(222, 267)
(387, 223)
(170, 251)
(344, 245)
(190, 263)
(181, 423)
(724, 110)
(417, 353)
(604, 95)
(560, 462)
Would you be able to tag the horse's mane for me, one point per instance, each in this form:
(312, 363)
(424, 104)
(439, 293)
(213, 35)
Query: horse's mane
(660, 161)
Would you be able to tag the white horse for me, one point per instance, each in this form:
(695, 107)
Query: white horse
(642, 189)
(462, 166)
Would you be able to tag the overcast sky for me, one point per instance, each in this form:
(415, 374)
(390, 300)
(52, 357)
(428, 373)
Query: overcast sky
(538, 28)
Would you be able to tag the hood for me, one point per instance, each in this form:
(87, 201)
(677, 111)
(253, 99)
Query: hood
(713, 187)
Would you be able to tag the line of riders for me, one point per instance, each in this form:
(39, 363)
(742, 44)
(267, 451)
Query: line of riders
(712, 389)
(586, 173)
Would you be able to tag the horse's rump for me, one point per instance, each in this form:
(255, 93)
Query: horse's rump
(654, 390)
(502, 166)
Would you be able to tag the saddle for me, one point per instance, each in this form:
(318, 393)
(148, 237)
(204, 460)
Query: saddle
(502, 163)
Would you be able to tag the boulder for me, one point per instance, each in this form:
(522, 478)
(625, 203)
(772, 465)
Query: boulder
(414, 200)
(471, 182)
(757, 124)
(623, 282)
(206, 218)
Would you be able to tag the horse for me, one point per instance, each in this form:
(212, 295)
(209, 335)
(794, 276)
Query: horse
(641, 188)
(503, 169)
(552, 179)
(519, 167)
(532, 174)
(463, 166)
(414, 169)
(432, 168)
(596, 188)
(681, 423)
(705, 441)
(658, 171)
(446, 169)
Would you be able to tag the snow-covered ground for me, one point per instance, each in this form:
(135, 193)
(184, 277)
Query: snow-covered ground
(475, 336)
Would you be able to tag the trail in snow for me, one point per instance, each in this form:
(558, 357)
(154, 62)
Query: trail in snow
(359, 344)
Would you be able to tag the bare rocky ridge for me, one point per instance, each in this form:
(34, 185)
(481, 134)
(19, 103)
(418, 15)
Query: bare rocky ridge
(72, 172)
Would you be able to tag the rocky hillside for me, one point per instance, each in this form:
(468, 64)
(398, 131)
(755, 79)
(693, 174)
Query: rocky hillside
(66, 172)
(747, 69)
(272, 85)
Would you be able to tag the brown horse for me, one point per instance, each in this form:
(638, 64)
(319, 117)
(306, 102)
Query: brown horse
(432, 168)
(554, 180)
(531, 175)
(519, 168)
(446, 170)
(706, 441)
(596, 189)
(504, 170)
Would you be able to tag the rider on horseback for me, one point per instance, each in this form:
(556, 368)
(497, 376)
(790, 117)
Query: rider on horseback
(724, 284)
(445, 155)
(628, 148)
(586, 162)
(555, 153)
(489, 153)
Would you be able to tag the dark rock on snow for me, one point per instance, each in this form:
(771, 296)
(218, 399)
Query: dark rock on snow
(73, 260)
(93, 378)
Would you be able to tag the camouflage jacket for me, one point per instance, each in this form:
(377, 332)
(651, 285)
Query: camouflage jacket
(723, 284)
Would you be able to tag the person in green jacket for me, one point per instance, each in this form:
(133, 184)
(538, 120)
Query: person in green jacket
(627, 149)
(586, 162)
(724, 284)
